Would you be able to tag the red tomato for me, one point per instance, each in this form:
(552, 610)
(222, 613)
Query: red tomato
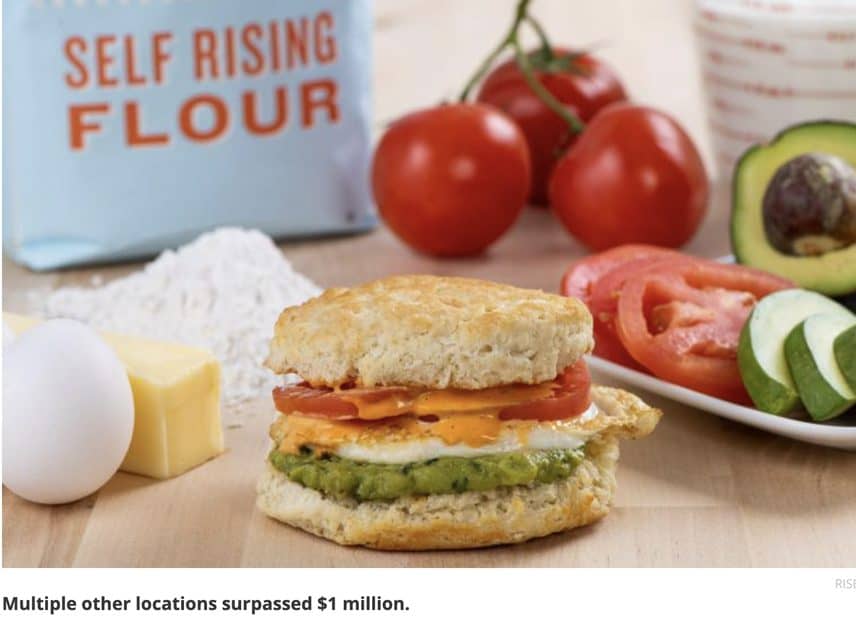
(452, 179)
(588, 276)
(582, 275)
(571, 398)
(682, 320)
(633, 176)
(332, 404)
(585, 88)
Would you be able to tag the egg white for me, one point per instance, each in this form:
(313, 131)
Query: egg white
(544, 436)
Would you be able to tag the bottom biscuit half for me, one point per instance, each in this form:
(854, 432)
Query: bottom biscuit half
(451, 521)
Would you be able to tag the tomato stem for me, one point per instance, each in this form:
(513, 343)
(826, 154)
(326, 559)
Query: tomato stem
(546, 97)
(521, 14)
(546, 46)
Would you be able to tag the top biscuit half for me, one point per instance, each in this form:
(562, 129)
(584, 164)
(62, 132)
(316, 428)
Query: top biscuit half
(430, 331)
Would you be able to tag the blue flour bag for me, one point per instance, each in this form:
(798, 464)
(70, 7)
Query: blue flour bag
(134, 125)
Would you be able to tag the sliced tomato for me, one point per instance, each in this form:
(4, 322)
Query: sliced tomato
(582, 274)
(583, 279)
(682, 321)
(333, 404)
(572, 397)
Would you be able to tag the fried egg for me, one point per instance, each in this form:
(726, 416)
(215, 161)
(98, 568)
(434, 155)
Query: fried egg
(411, 439)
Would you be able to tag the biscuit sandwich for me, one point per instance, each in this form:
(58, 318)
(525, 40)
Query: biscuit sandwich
(440, 413)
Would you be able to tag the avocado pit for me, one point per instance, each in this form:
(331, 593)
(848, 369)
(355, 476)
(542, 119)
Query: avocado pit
(809, 206)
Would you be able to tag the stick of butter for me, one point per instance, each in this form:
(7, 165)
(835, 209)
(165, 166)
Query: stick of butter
(176, 402)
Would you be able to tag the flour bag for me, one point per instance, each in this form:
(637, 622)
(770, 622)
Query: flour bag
(133, 125)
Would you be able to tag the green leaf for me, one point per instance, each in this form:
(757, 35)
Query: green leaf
(547, 61)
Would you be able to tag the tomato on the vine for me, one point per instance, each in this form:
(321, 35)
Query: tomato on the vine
(450, 180)
(633, 176)
(581, 82)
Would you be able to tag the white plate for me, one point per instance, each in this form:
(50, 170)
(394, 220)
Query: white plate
(837, 433)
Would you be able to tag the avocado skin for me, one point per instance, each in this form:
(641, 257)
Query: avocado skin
(845, 354)
(767, 394)
(341, 478)
(833, 273)
(820, 400)
(849, 301)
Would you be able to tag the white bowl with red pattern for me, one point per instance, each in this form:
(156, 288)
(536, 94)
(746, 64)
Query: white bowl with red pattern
(769, 64)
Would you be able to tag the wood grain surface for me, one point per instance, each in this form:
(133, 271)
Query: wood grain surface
(700, 491)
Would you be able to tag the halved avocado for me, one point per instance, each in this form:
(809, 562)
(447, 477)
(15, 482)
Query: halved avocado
(794, 206)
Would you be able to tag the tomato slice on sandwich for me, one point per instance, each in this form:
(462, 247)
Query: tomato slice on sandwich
(682, 319)
(566, 396)
(571, 397)
(342, 404)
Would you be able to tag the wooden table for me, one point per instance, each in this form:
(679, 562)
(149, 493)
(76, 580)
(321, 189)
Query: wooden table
(699, 491)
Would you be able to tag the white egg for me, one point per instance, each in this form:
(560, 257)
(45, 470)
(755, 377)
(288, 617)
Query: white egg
(8, 336)
(68, 412)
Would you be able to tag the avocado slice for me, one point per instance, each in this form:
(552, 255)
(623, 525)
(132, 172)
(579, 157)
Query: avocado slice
(809, 352)
(844, 347)
(794, 206)
(761, 350)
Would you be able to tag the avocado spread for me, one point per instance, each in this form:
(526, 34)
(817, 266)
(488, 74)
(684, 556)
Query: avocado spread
(340, 477)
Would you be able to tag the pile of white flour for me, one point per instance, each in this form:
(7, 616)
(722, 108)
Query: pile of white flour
(222, 292)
